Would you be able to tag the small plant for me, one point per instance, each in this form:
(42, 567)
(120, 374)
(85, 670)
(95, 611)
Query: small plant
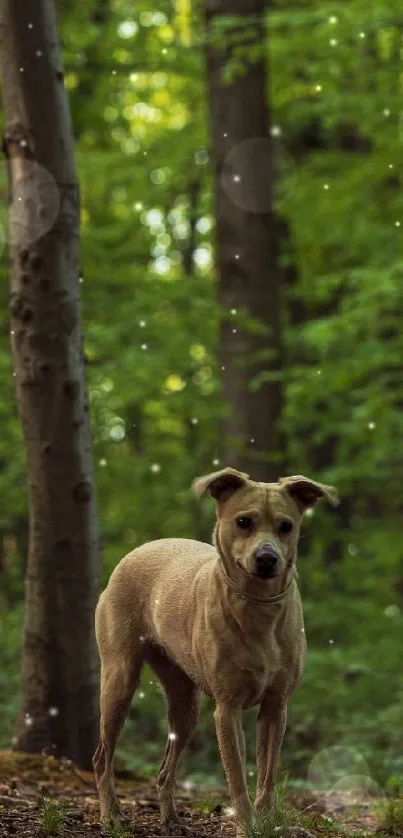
(392, 817)
(276, 820)
(54, 817)
(283, 820)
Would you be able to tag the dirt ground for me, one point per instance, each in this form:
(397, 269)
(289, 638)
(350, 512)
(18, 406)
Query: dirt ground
(27, 782)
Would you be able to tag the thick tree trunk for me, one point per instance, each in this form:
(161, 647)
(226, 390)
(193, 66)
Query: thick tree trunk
(59, 660)
(246, 241)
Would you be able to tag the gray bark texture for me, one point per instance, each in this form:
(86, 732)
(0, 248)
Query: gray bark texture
(59, 712)
(246, 237)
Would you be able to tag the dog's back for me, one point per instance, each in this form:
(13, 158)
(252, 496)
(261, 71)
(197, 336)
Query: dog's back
(159, 573)
(166, 561)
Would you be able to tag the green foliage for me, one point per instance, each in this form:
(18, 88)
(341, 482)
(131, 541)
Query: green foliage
(10, 646)
(351, 695)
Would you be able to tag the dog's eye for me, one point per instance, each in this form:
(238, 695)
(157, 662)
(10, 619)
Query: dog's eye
(244, 523)
(285, 527)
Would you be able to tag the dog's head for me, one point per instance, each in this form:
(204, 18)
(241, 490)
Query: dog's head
(258, 523)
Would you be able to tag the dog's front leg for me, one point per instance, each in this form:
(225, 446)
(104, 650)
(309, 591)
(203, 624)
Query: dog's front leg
(271, 726)
(228, 721)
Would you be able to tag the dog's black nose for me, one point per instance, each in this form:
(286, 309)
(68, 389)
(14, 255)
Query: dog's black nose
(266, 560)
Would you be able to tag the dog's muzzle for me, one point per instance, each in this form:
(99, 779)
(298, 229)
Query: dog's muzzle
(266, 561)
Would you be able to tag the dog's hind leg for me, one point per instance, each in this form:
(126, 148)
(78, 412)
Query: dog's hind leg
(183, 698)
(120, 675)
(119, 679)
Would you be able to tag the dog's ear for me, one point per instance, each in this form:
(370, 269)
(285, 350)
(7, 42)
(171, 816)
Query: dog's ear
(220, 483)
(306, 492)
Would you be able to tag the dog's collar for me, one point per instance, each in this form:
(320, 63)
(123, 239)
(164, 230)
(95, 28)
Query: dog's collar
(267, 601)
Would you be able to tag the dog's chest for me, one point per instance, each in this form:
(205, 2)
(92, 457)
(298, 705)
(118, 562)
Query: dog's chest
(228, 648)
(235, 665)
(250, 671)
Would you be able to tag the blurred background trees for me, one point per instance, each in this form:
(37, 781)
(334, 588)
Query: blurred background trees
(145, 154)
(246, 236)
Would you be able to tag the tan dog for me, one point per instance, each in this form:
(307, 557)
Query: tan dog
(226, 620)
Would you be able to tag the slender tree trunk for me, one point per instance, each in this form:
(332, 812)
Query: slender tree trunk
(246, 239)
(59, 661)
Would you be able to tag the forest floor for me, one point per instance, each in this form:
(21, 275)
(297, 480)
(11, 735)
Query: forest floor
(41, 796)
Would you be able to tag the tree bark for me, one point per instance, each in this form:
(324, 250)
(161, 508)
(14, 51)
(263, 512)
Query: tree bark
(59, 660)
(246, 240)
